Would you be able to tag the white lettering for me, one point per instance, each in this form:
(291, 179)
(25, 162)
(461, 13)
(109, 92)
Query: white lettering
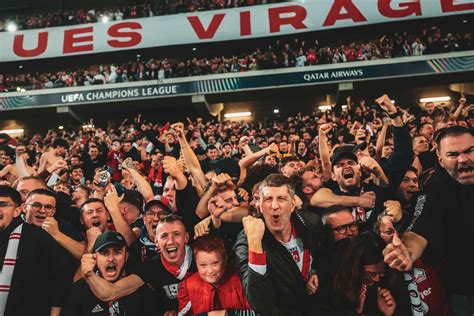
(75, 97)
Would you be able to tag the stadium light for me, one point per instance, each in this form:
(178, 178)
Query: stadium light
(105, 19)
(276, 111)
(194, 49)
(12, 27)
(435, 99)
(325, 107)
(237, 114)
(12, 131)
(60, 127)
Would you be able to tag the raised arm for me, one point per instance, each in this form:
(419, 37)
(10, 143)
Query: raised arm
(381, 139)
(324, 151)
(142, 184)
(192, 162)
(111, 201)
(74, 247)
(462, 104)
(171, 167)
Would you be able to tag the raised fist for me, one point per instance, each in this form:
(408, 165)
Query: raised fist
(367, 200)
(88, 262)
(170, 166)
(273, 149)
(128, 164)
(221, 179)
(254, 228)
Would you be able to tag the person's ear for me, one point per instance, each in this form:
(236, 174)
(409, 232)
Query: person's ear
(17, 211)
(186, 237)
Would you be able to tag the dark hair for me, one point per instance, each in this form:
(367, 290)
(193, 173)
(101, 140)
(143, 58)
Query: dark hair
(210, 147)
(89, 201)
(256, 173)
(449, 132)
(60, 142)
(9, 154)
(62, 182)
(278, 180)
(46, 192)
(412, 169)
(286, 160)
(133, 198)
(85, 188)
(9, 192)
(224, 187)
(76, 167)
(362, 250)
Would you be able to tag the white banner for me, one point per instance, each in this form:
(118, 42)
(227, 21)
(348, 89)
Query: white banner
(219, 25)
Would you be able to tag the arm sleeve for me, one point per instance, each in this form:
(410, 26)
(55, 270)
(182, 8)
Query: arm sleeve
(402, 157)
(186, 203)
(72, 304)
(184, 302)
(61, 266)
(258, 288)
(428, 222)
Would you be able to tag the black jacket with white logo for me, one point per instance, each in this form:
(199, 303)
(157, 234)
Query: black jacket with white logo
(82, 302)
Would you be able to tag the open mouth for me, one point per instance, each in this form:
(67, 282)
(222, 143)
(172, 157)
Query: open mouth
(154, 226)
(276, 218)
(96, 224)
(348, 174)
(172, 250)
(465, 171)
(40, 217)
(111, 269)
(411, 191)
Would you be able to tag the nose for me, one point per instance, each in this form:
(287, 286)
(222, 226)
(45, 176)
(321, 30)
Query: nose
(376, 278)
(275, 204)
(463, 158)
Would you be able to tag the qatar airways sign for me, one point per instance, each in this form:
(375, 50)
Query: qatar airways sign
(221, 25)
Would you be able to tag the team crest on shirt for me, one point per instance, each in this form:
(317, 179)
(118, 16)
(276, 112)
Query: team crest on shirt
(296, 255)
(419, 275)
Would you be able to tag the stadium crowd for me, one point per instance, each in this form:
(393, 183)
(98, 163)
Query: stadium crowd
(363, 210)
(131, 10)
(298, 52)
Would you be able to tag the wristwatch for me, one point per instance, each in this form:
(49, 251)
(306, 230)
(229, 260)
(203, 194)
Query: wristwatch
(394, 115)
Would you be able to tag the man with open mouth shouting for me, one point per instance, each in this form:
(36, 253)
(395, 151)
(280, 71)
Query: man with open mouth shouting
(274, 257)
(442, 217)
(162, 273)
(110, 254)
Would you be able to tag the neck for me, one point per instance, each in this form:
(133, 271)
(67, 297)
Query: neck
(284, 235)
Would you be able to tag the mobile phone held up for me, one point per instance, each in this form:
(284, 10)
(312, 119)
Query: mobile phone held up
(104, 176)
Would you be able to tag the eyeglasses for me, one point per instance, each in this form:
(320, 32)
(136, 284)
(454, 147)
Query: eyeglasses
(343, 228)
(4, 204)
(35, 206)
(159, 214)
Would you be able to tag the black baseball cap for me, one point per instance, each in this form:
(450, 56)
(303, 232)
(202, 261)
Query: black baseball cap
(107, 239)
(344, 152)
